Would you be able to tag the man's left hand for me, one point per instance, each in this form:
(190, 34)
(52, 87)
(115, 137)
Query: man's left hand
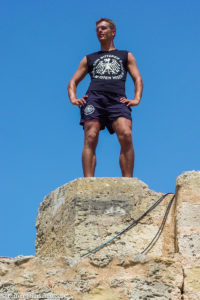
(132, 102)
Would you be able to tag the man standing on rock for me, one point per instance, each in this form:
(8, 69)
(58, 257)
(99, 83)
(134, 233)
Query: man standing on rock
(105, 103)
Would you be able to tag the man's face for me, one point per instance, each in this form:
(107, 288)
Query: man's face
(104, 32)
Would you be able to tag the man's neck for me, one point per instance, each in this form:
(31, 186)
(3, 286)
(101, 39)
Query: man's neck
(107, 46)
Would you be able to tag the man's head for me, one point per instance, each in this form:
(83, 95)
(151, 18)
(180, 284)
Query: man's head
(105, 29)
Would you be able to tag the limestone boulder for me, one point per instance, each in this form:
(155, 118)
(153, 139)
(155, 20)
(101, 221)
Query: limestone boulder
(87, 212)
(188, 231)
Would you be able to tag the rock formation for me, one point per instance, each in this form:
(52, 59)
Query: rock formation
(87, 212)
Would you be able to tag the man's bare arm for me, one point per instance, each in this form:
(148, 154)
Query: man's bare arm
(135, 75)
(78, 76)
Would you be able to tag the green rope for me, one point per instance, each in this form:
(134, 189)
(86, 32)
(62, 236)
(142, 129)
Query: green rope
(135, 222)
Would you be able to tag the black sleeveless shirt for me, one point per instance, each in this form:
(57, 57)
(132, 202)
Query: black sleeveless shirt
(108, 70)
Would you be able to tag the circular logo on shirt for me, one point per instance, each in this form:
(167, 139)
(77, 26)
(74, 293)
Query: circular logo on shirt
(89, 109)
(108, 67)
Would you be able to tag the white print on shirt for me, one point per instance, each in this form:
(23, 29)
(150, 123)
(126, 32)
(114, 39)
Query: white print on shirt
(89, 109)
(108, 67)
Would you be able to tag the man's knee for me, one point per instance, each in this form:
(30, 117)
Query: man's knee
(125, 135)
(91, 134)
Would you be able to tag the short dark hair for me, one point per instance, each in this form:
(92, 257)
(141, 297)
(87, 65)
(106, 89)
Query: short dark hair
(111, 23)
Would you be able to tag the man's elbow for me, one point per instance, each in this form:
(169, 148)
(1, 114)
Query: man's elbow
(139, 81)
(71, 84)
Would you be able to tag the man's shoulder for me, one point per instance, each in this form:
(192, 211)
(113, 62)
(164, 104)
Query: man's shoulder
(122, 50)
(93, 53)
(124, 53)
(127, 51)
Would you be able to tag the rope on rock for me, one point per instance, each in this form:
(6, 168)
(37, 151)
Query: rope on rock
(135, 222)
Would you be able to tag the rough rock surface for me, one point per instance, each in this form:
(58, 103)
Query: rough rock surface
(122, 278)
(188, 231)
(84, 213)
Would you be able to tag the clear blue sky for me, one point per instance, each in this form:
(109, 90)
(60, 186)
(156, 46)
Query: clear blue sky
(42, 43)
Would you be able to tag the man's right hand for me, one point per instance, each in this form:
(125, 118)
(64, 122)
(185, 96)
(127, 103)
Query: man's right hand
(79, 102)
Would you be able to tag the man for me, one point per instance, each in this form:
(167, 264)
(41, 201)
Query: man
(105, 103)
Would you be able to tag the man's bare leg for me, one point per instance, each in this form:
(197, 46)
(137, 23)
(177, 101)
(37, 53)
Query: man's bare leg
(123, 129)
(91, 129)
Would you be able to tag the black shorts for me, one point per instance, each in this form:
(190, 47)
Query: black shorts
(105, 107)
